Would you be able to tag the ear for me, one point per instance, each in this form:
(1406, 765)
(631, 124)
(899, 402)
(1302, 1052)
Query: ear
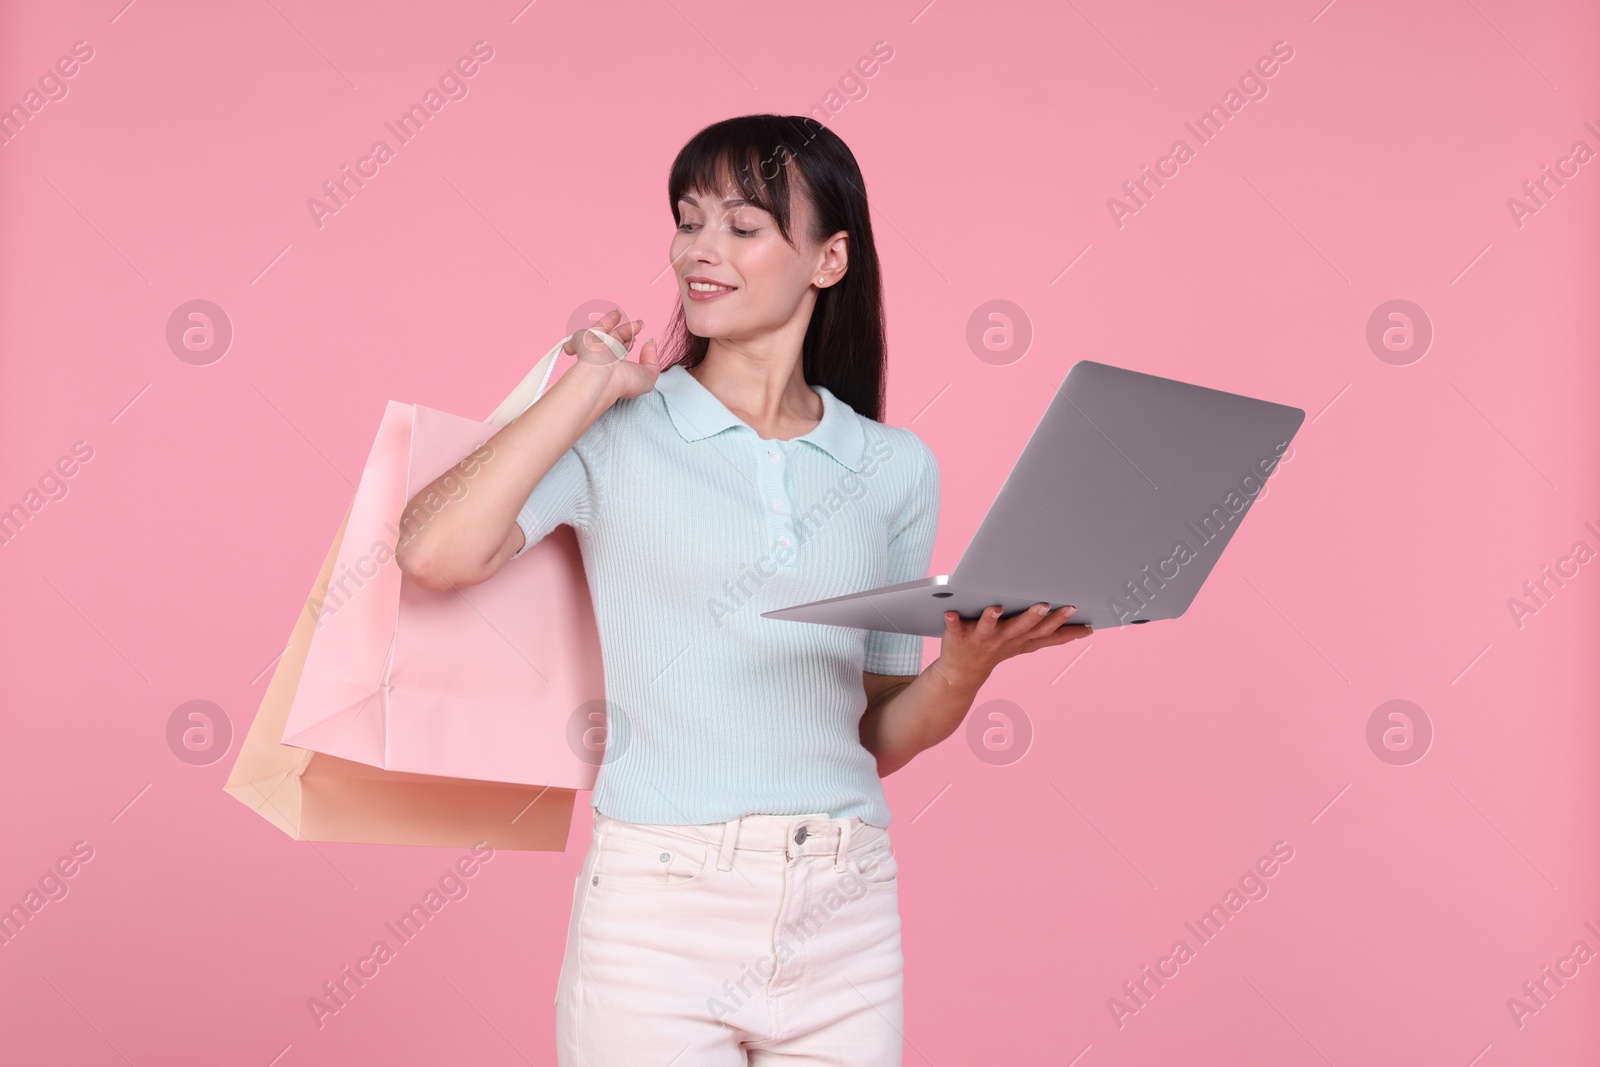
(835, 259)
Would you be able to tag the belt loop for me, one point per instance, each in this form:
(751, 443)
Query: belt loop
(844, 846)
(730, 832)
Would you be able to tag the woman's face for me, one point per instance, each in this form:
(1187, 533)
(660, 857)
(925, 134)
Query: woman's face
(728, 241)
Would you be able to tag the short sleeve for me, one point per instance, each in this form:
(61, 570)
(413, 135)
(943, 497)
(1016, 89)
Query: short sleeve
(573, 489)
(910, 552)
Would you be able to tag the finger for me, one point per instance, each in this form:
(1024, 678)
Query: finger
(1042, 621)
(627, 332)
(988, 622)
(604, 322)
(1070, 633)
(600, 351)
(591, 349)
(1024, 624)
(958, 627)
(1062, 636)
(595, 350)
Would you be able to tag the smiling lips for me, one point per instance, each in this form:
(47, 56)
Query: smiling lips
(706, 289)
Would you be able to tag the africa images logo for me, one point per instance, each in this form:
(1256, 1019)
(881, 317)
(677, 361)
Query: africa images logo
(1211, 526)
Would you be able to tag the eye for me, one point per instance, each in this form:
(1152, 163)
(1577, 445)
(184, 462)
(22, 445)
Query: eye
(688, 227)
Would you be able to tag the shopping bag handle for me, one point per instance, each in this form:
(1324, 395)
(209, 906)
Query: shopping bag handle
(532, 387)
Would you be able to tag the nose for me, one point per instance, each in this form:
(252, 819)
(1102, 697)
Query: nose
(704, 244)
(695, 261)
(701, 249)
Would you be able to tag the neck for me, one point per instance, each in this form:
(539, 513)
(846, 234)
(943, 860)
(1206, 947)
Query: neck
(771, 396)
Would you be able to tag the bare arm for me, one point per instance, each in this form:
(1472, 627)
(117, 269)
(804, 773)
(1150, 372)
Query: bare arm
(907, 715)
(880, 689)
(452, 538)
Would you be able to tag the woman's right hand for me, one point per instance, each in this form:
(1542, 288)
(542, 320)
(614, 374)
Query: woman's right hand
(624, 377)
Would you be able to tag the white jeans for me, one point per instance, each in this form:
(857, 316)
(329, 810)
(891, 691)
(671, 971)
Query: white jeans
(765, 939)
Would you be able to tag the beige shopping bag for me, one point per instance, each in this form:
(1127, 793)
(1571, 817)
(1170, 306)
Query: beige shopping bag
(315, 797)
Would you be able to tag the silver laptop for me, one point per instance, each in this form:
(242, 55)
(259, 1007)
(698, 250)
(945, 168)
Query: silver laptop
(1121, 503)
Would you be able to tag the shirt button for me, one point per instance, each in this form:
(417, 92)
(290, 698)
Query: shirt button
(773, 456)
(777, 505)
(783, 542)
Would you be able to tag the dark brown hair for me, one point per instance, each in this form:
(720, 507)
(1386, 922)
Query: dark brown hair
(773, 158)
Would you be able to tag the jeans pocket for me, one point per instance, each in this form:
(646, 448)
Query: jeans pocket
(634, 857)
(876, 866)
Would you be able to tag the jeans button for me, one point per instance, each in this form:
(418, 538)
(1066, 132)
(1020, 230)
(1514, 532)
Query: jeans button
(800, 836)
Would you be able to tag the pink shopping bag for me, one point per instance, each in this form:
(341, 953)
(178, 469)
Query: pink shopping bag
(315, 797)
(500, 681)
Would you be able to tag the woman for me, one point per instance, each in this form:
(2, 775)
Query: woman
(738, 902)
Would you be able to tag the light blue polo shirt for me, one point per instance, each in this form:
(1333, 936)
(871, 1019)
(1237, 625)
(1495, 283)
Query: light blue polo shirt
(691, 525)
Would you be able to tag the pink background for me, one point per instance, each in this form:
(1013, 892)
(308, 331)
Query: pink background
(1164, 761)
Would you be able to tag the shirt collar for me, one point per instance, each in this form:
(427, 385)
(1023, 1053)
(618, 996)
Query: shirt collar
(697, 413)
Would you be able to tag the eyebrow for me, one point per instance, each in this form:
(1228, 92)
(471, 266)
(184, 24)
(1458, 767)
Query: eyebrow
(737, 201)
